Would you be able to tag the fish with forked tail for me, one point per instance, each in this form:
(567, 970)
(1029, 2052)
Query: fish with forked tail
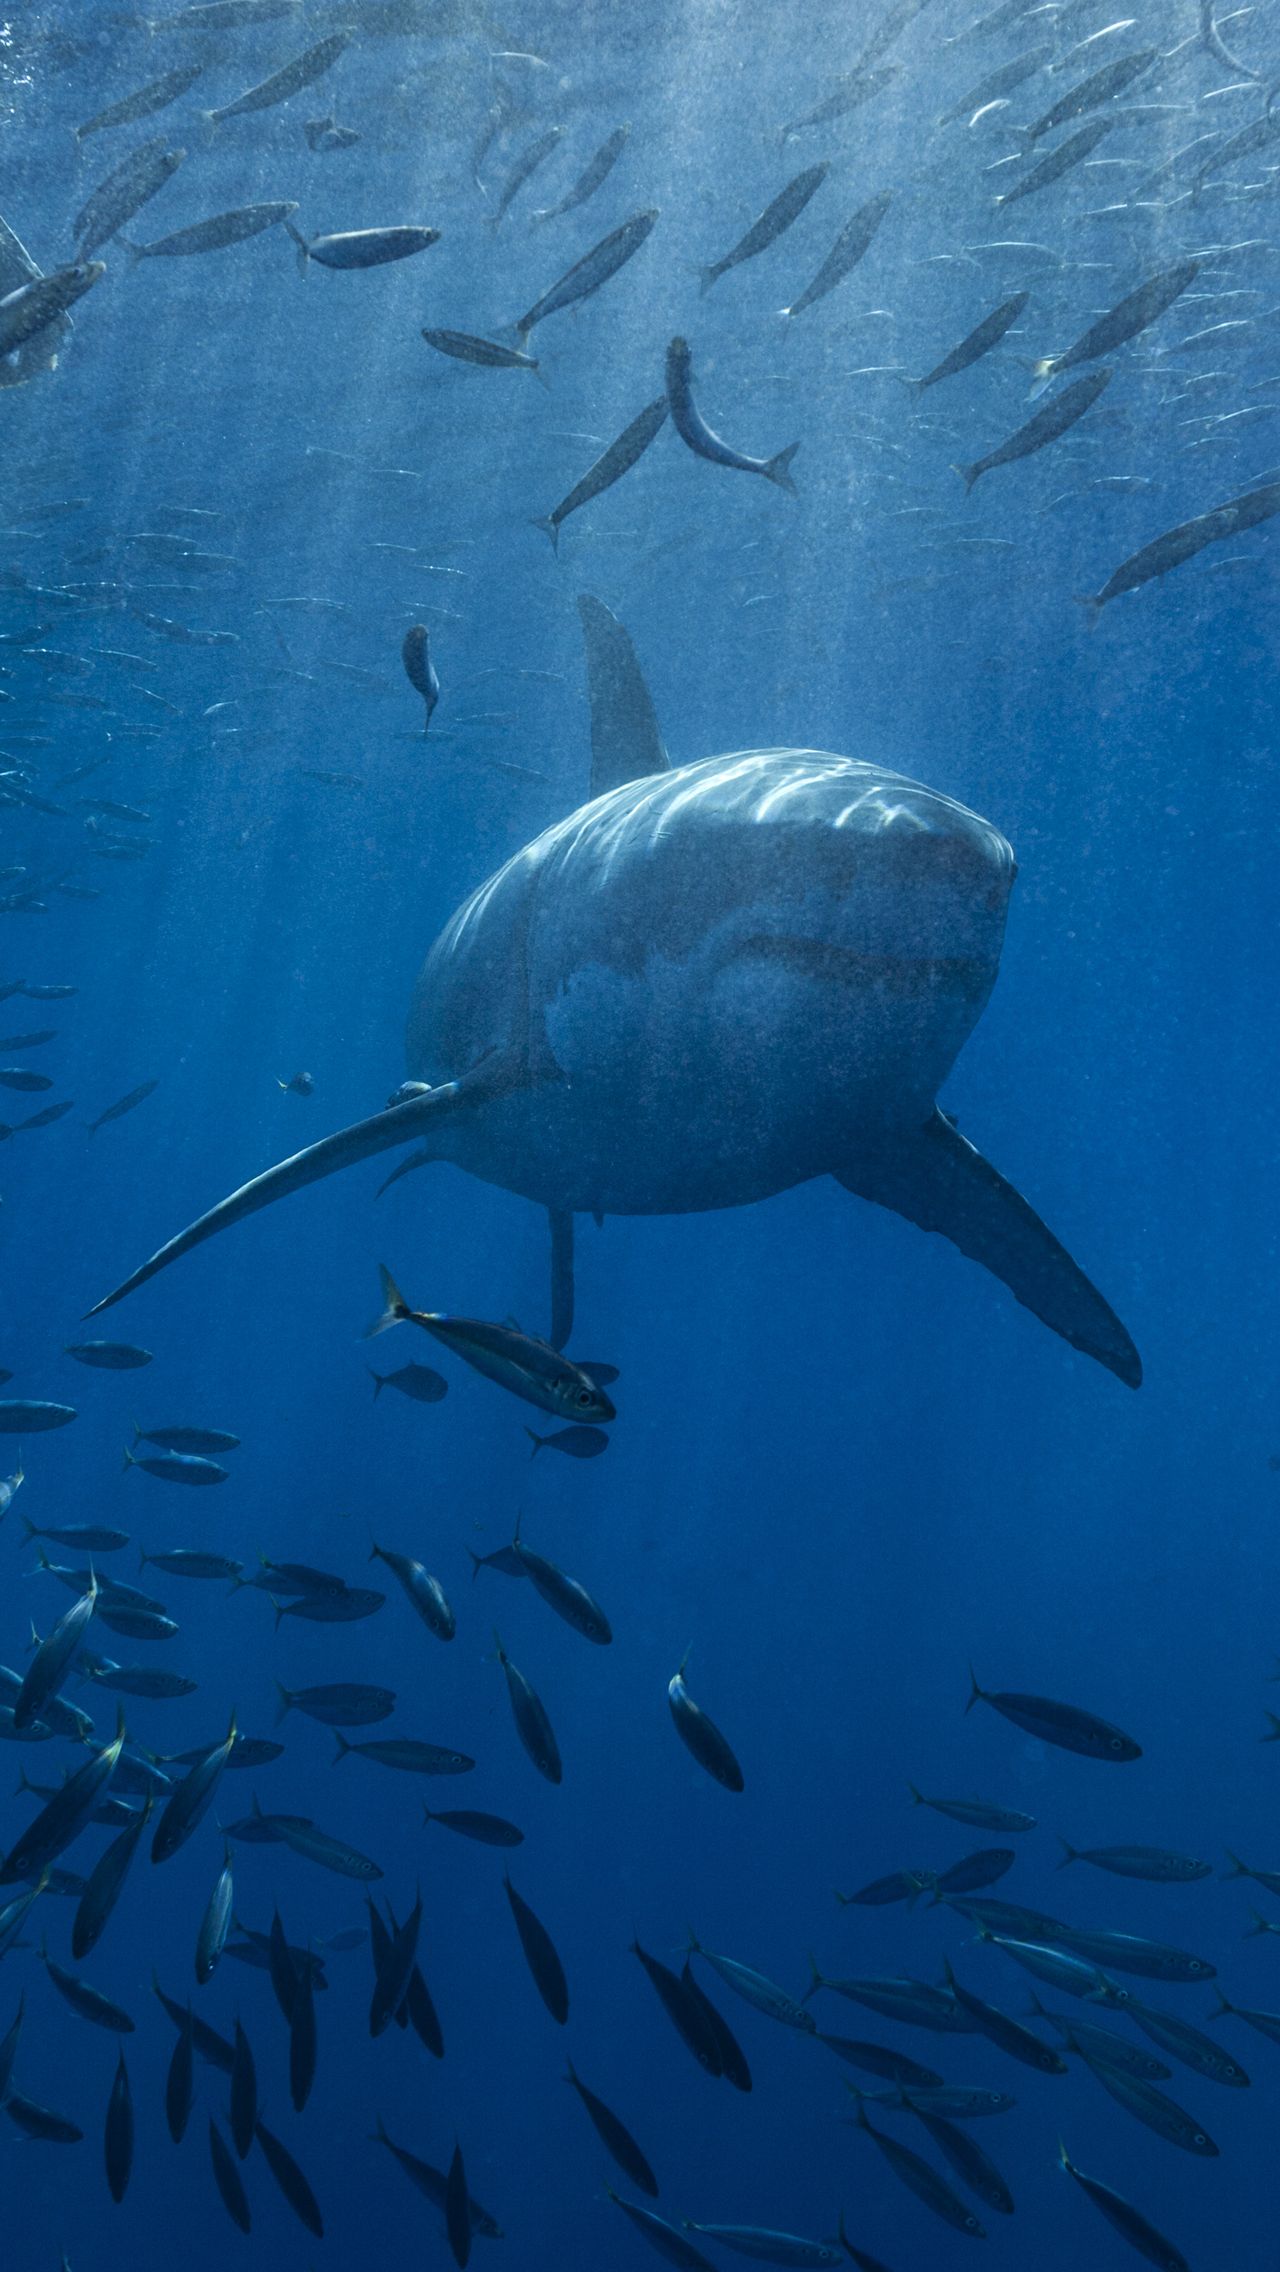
(418, 1382)
(31, 308)
(131, 184)
(213, 235)
(1123, 2218)
(362, 248)
(1057, 418)
(622, 453)
(518, 1361)
(1065, 1725)
(853, 242)
(588, 274)
(291, 77)
(786, 207)
(575, 1443)
(697, 436)
(700, 1735)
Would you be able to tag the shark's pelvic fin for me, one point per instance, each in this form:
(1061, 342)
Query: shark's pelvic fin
(422, 1159)
(940, 1181)
(495, 1076)
(625, 742)
(560, 1223)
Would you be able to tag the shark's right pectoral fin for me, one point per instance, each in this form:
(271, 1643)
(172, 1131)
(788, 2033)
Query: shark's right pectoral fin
(423, 1115)
(941, 1182)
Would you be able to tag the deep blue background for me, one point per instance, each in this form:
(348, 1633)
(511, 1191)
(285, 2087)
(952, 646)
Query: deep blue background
(846, 1463)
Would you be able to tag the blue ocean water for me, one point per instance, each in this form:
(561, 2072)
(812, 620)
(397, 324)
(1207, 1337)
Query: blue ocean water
(846, 1464)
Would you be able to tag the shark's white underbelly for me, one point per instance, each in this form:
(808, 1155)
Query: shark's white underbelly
(725, 1076)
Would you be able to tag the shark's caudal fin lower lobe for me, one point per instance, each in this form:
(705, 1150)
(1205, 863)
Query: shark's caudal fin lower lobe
(941, 1182)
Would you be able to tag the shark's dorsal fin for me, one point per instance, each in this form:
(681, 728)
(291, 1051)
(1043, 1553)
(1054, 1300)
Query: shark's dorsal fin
(626, 744)
(940, 1181)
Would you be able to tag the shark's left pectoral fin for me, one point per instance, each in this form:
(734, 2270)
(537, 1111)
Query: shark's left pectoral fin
(942, 1182)
(424, 1115)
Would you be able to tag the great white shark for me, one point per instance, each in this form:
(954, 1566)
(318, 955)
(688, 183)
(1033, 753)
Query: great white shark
(710, 983)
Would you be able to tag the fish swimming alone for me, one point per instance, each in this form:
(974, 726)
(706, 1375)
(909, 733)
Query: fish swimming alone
(707, 985)
(420, 670)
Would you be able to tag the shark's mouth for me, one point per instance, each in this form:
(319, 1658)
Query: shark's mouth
(852, 966)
